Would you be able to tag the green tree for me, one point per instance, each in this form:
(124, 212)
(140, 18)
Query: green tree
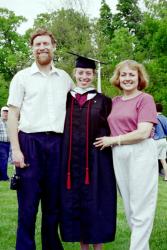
(152, 48)
(123, 45)
(13, 49)
(3, 91)
(155, 8)
(105, 21)
(128, 15)
(103, 33)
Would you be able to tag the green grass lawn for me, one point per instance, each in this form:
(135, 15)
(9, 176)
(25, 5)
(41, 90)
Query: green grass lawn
(8, 222)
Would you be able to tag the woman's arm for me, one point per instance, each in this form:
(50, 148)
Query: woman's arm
(142, 132)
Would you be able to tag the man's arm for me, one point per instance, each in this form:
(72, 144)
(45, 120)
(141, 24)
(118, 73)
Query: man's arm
(13, 118)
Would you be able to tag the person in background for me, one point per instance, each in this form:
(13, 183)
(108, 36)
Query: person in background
(160, 138)
(4, 144)
(88, 186)
(131, 123)
(37, 107)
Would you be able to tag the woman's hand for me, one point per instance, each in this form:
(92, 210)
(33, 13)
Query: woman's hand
(103, 142)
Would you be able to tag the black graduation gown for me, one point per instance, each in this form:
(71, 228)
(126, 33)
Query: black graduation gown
(88, 210)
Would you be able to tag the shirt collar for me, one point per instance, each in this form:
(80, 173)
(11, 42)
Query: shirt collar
(35, 69)
(82, 91)
(2, 120)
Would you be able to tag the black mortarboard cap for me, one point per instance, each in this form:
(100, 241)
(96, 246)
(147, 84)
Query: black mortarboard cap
(84, 62)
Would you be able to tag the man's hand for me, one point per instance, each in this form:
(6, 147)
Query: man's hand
(17, 155)
(18, 159)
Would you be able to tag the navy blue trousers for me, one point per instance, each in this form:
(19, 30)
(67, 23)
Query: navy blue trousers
(39, 183)
(4, 154)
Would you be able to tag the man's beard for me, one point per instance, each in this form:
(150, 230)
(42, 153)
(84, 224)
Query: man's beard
(44, 60)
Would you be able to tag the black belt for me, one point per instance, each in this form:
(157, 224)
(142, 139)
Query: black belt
(42, 133)
(49, 133)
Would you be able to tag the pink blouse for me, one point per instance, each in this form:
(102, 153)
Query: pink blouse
(126, 114)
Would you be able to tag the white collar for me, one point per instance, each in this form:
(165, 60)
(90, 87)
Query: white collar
(35, 69)
(82, 91)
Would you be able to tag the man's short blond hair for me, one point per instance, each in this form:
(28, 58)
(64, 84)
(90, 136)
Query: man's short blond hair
(42, 32)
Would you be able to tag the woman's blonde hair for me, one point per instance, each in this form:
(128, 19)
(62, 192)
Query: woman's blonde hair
(143, 76)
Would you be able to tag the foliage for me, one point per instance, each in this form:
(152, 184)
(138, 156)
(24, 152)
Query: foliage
(139, 36)
(123, 45)
(13, 49)
(3, 91)
(152, 36)
(115, 34)
(128, 15)
(105, 21)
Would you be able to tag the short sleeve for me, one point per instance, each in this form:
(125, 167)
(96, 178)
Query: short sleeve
(147, 110)
(16, 91)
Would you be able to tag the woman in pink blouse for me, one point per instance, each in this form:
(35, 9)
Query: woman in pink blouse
(131, 123)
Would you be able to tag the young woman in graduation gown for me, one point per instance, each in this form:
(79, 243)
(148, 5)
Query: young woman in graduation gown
(88, 186)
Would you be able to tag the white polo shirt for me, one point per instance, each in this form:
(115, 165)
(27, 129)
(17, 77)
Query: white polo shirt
(41, 99)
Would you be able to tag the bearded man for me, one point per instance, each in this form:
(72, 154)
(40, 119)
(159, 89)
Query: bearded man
(37, 106)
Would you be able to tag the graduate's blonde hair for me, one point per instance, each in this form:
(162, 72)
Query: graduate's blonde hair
(142, 74)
